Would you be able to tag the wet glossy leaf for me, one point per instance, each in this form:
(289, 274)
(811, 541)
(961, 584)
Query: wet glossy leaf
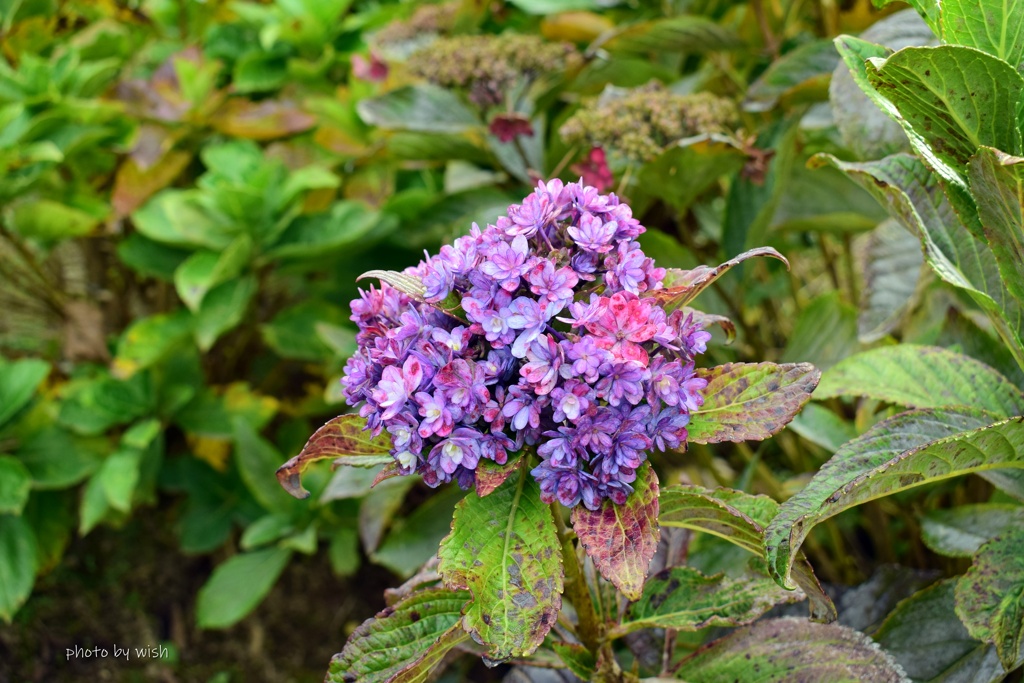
(891, 271)
(344, 438)
(684, 599)
(750, 401)
(17, 564)
(504, 550)
(622, 539)
(778, 650)
(922, 377)
(960, 531)
(403, 642)
(911, 449)
(925, 636)
(990, 596)
(238, 586)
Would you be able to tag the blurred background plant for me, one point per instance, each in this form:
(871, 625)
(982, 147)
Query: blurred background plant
(190, 189)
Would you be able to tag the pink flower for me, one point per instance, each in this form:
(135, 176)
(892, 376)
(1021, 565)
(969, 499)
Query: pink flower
(396, 386)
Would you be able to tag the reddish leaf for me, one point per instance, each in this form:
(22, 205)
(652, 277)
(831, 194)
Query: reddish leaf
(387, 472)
(490, 475)
(683, 286)
(345, 437)
(267, 120)
(751, 401)
(135, 182)
(622, 539)
(705, 319)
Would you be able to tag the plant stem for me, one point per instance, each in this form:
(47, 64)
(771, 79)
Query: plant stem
(576, 588)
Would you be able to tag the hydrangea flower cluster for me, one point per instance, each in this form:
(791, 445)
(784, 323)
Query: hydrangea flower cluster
(554, 346)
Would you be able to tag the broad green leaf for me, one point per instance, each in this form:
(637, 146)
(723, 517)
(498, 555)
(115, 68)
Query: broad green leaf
(425, 108)
(504, 550)
(238, 585)
(990, 596)
(739, 518)
(314, 235)
(345, 438)
(292, 333)
(922, 377)
(204, 270)
(489, 475)
(993, 27)
(825, 332)
(682, 598)
(685, 169)
(576, 658)
(17, 564)
(257, 461)
(179, 218)
(118, 477)
(47, 220)
(750, 401)
(222, 309)
(18, 382)
(414, 540)
(343, 552)
(52, 518)
(997, 184)
(806, 67)
(955, 99)
(683, 286)
(891, 271)
(15, 484)
(149, 257)
(960, 531)
(555, 6)
(789, 649)
(378, 508)
(820, 425)
(404, 641)
(149, 340)
(94, 507)
(912, 195)
(267, 529)
(925, 636)
(622, 539)
(908, 450)
(684, 33)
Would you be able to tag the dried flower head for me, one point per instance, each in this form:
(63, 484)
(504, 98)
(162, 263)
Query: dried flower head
(555, 345)
(641, 123)
(401, 38)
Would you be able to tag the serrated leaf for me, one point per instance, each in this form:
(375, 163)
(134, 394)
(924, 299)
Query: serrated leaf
(925, 636)
(788, 649)
(997, 184)
(238, 585)
(739, 518)
(891, 271)
(684, 33)
(750, 401)
(922, 377)
(425, 108)
(960, 531)
(17, 564)
(489, 475)
(682, 598)
(403, 641)
(345, 438)
(990, 597)
(995, 28)
(908, 450)
(505, 551)
(683, 286)
(622, 539)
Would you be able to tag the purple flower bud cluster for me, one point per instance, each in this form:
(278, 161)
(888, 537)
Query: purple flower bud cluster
(555, 346)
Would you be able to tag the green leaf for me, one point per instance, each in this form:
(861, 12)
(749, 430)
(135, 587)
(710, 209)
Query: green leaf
(48, 220)
(686, 168)
(150, 258)
(576, 658)
(292, 333)
(997, 184)
(222, 310)
(118, 477)
(821, 426)
(922, 377)
(908, 450)
(622, 539)
(180, 218)
(15, 484)
(489, 475)
(739, 518)
(257, 461)
(414, 540)
(378, 508)
(148, 340)
(825, 332)
(955, 99)
(682, 598)
(990, 596)
(960, 531)
(404, 642)
(204, 270)
(800, 68)
(891, 272)
(258, 71)
(683, 286)
(267, 529)
(17, 564)
(788, 649)
(425, 108)
(238, 585)
(18, 382)
(925, 636)
(555, 6)
(343, 552)
(345, 438)
(684, 33)
(750, 401)
(504, 550)
(912, 195)
(346, 224)
(993, 27)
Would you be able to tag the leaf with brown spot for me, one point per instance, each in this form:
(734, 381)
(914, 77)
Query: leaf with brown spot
(504, 549)
(344, 438)
(490, 475)
(266, 120)
(750, 401)
(622, 539)
(683, 286)
(135, 183)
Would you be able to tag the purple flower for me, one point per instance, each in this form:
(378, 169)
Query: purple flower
(530, 317)
(593, 234)
(463, 384)
(439, 280)
(668, 429)
(396, 386)
(436, 413)
(587, 358)
(622, 381)
(523, 407)
(571, 400)
(462, 448)
(550, 284)
(507, 263)
(545, 358)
